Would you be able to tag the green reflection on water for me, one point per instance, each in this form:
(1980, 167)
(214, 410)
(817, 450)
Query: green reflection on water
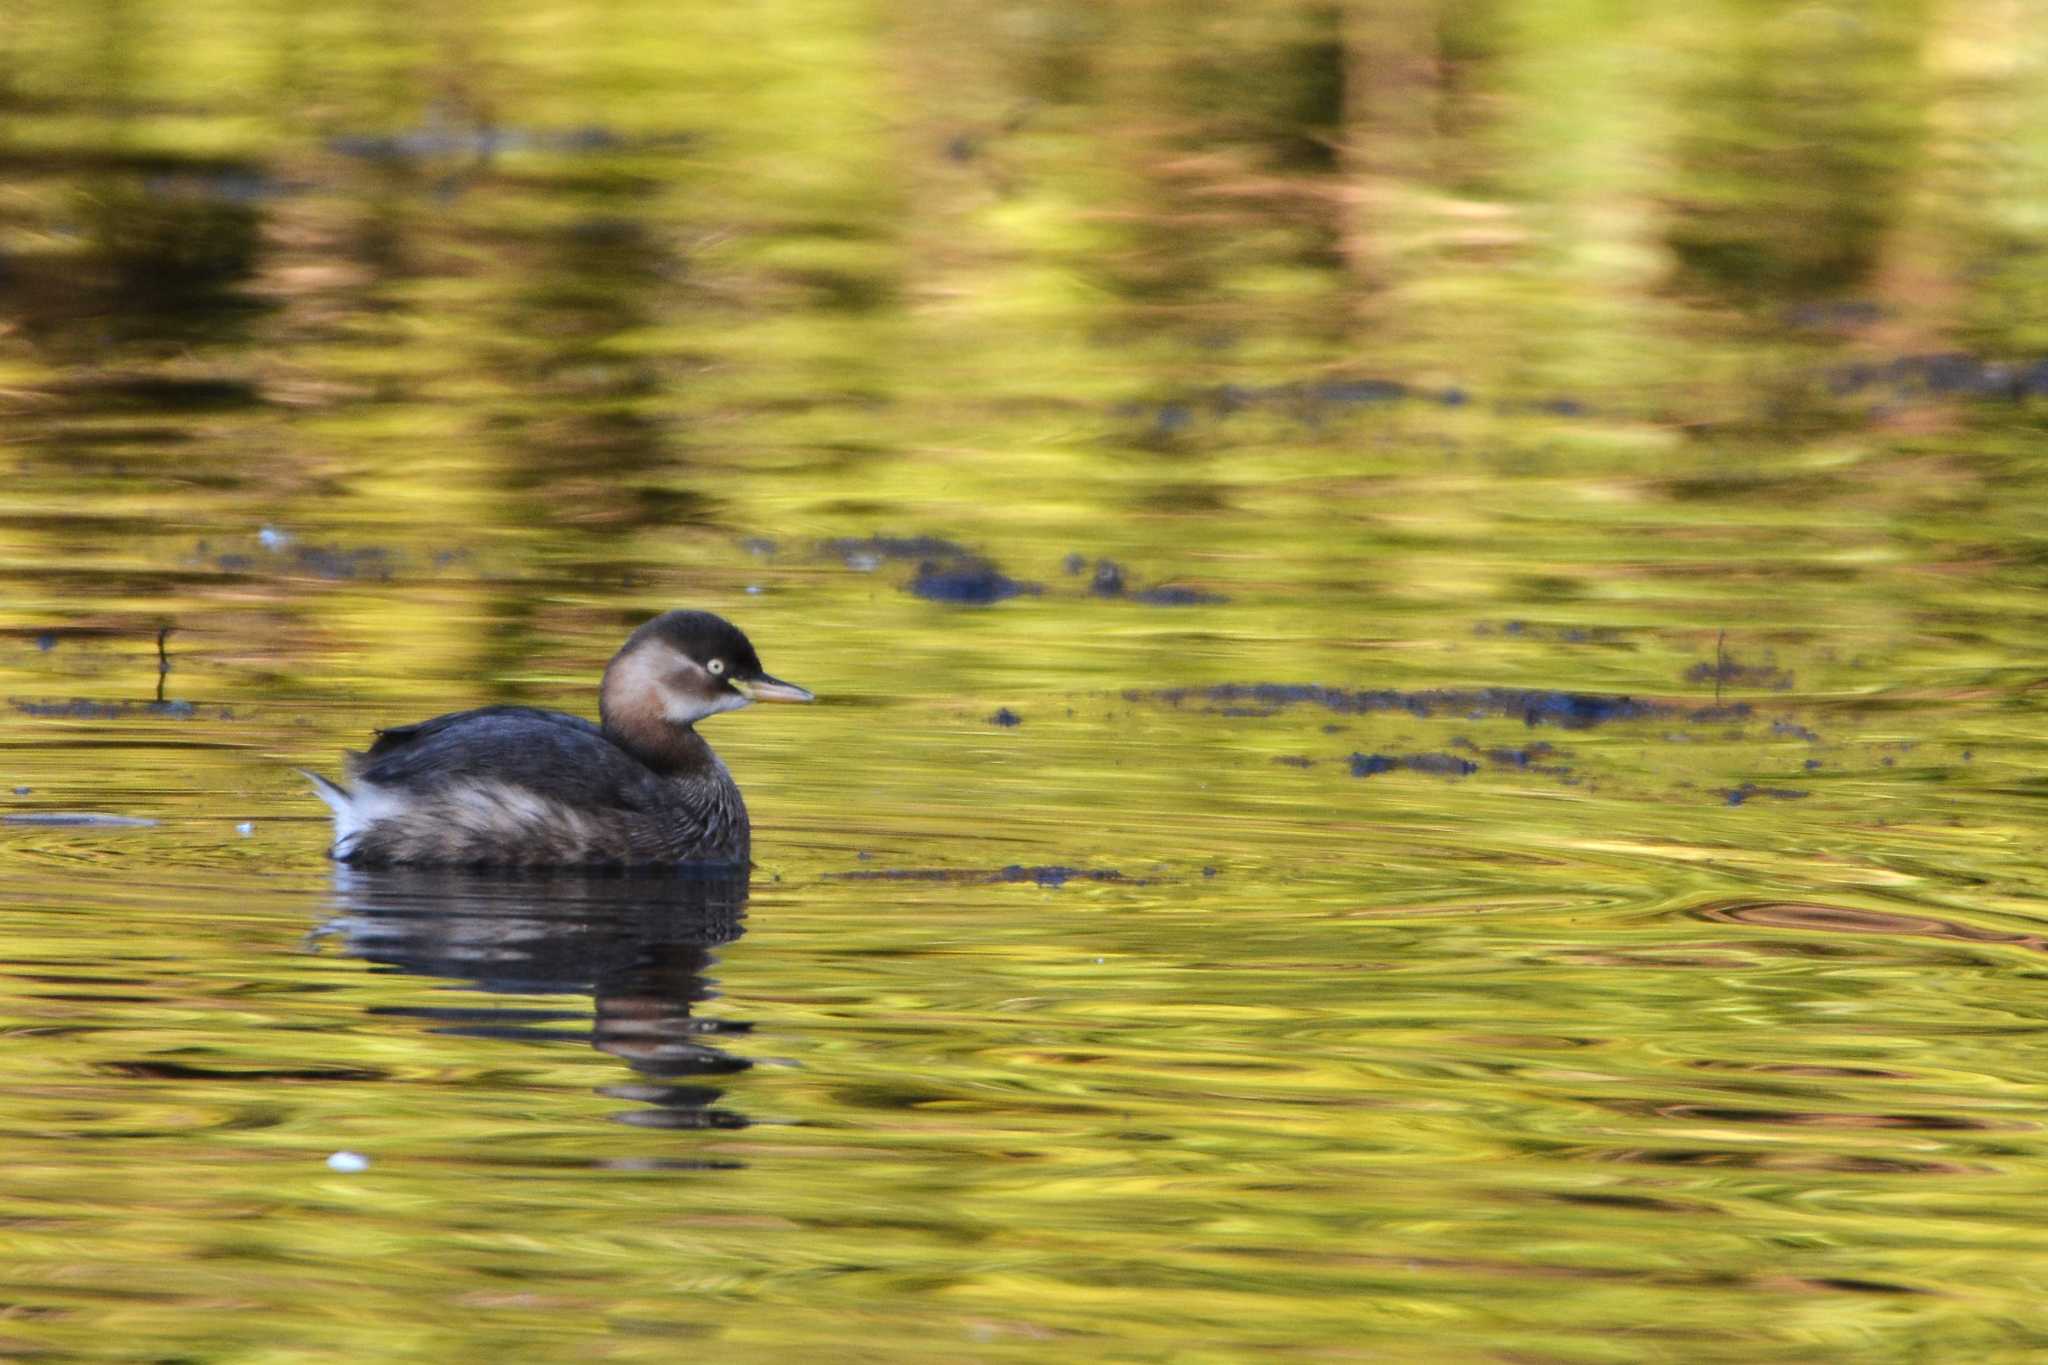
(405, 360)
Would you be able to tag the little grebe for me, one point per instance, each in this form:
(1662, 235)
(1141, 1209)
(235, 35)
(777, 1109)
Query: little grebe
(512, 786)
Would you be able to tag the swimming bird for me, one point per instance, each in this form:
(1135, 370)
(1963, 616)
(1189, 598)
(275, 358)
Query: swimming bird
(513, 786)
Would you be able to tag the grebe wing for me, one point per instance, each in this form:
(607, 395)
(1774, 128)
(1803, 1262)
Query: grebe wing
(562, 757)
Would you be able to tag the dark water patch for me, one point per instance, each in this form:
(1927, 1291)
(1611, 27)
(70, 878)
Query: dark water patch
(344, 565)
(1736, 796)
(155, 1070)
(81, 436)
(974, 584)
(1567, 710)
(1006, 718)
(1641, 1203)
(1347, 392)
(80, 708)
(1054, 876)
(484, 142)
(1815, 916)
(1846, 1284)
(1785, 729)
(1295, 761)
(869, 552)
(1441, 765)
(1736, 1159)
(1527, 757)
(1859, 1073)
(1563, 635)
(47, 638)
(228, 185)
(76, 158)
(948, 571)
(683, 1119)
(1177, 597)
(1943, 374)
(280, 552)
(1110, 581)
(1834, 315)
(1809, 1118)
(174, 393)
(1313, 402)
(1728, 671)
(465, 1013)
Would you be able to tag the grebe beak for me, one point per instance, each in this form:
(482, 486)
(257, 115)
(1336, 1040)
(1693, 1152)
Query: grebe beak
(765, 688)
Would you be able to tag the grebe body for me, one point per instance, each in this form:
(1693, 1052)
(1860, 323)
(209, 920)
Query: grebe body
(514, 786)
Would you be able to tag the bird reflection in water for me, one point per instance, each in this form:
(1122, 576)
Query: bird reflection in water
(638, 944)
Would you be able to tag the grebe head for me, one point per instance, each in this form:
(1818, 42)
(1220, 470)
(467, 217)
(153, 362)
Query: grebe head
(681, 667)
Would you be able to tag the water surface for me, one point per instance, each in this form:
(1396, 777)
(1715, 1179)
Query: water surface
(1429, 631)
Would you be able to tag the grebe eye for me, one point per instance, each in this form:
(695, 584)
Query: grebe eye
(718, 668)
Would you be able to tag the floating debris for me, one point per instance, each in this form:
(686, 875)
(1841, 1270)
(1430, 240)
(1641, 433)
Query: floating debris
(483, 142)
(974, 584)
(348, 1163)
(1567, 710)
(869, 552)
(1109, 581)
(1441, 765)
(1729, 671)
(1738, 795)
(1309, 402)
(92, 818)
(340, 563)
(947, 572)
(1946, 373)
(1518, 758)
(79, 708)
(1177, 597)
(1006, 718)
(246, 828)
(1041, 876)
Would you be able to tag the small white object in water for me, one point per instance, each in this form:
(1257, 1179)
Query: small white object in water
(272, 538)
(753, 589)
(348, 1163)
(246, 828)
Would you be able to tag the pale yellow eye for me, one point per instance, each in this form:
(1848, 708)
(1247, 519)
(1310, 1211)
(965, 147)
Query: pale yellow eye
(717, 667)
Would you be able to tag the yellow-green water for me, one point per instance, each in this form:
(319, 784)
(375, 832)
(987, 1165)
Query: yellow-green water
(1274, 987)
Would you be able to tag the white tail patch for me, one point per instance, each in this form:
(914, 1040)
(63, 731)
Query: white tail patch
(354, 811)
(489, 821)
